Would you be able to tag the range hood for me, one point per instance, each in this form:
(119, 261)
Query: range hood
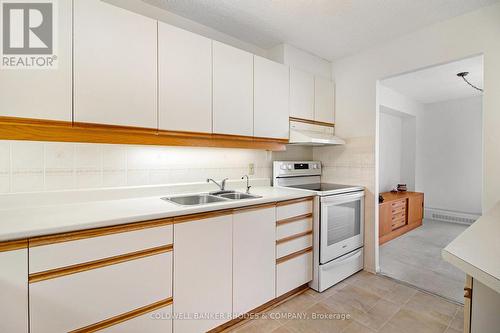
(306, 134)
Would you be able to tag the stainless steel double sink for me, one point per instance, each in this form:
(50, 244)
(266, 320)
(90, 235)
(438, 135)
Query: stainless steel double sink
(206, 198)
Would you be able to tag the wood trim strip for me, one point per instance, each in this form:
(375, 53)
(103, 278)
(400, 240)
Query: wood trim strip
(12, 128)
(294, 219)
(124, 317)
(78, 268)
(202, 216)
(293, 255)
(293, 201)
(312, 122)
(229, 326)
(254, 207)
(97, 232)
(13, 245)
(290, 238)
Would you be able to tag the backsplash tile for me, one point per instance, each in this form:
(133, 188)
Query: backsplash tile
(27, 166)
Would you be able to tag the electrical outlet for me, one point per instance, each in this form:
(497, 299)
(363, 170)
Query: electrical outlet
(251, 169)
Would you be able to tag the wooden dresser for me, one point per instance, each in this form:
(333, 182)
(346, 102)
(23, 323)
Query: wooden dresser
(399, 213)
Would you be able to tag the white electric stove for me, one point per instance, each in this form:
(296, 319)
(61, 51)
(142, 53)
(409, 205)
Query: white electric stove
(338, 223)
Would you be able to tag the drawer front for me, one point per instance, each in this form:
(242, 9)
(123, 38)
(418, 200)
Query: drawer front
(70, 302)
(398, 223)
(294, 209)
(398, 210)
(399, 216)
(293, 228)
(398, 203)
(294, 245)
(155, 321)
(51, 256)
(293, 273)
(339, 269)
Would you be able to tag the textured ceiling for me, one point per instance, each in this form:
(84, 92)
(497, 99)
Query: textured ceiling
(440, 83)
(328, 28)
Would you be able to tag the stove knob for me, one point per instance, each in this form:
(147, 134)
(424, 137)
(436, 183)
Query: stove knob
(283, 167)
(290, 167)
(315, 166)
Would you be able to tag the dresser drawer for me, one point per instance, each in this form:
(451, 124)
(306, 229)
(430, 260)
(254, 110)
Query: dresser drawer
(398, 210)
(83, 298)
(293, 273)
(399, 216)
(293, 245)
(398, 203)
(288, 229)
(89, 245)
(398, 223)
(293, 208)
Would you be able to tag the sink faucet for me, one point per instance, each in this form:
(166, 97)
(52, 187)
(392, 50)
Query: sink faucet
(222, 185)
(248, 180)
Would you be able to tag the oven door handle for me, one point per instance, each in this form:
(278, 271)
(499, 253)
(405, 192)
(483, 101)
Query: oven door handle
(343, 197)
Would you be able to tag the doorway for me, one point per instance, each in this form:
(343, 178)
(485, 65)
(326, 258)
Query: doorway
(430, 139)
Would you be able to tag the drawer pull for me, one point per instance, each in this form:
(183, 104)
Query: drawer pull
(59, 272)
(290, 238)
(124, 317)
(293, 255)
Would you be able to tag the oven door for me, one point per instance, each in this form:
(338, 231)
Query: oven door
(341, 224)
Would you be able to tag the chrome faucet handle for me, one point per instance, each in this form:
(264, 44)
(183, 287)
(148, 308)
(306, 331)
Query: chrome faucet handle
(248, 181)
(223, 184)
(220, 186)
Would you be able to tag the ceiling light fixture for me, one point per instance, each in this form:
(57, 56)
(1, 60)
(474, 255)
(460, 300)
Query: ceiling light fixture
(463, 75)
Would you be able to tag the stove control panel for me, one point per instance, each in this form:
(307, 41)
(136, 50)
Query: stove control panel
(296, 168)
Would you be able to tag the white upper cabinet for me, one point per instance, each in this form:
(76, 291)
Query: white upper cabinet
(271, 96)
(323, 100)
(185, 80)
(232, 90)
(301, 94)
(42, 93)
(254, 258)
(115, 72)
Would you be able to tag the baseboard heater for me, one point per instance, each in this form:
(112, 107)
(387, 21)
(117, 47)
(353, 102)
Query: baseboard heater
(450, 216)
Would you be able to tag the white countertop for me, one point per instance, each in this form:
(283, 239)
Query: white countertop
(50, 213)
(477, 250)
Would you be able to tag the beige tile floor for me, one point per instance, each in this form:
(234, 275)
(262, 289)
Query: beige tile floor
(373, 303)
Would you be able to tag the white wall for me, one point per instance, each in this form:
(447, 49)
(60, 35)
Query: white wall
(356, 97)
(27, 166)
(449, 155)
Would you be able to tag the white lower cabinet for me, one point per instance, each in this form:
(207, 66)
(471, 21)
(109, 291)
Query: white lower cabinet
(158, 321)
(254, 259)
(293, 273)
(14, 291)
(74, 301)
(202, 273)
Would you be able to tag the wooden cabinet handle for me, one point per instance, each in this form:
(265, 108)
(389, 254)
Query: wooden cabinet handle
(468, 293)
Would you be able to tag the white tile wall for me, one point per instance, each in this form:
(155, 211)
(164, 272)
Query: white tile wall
(45, 166)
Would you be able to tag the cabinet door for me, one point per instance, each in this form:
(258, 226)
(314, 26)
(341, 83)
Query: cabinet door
(202, 272)
(114, 65)
(254, 259)
(49, 89)
(323, 100)
(185, 80)
(271, 89)
(385, 219)
(232, 90)
(301, 94)
(14, 291)
(415, 208)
